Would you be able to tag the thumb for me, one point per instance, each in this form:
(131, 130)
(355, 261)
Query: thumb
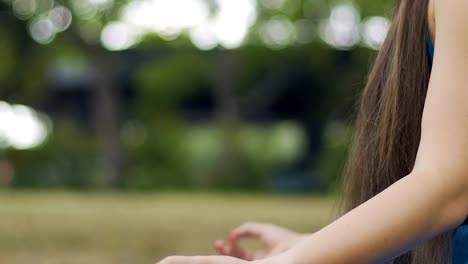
(250, 229)
(232, 251)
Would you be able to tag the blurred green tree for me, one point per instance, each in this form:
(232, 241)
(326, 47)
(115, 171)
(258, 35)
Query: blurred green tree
(153, 141)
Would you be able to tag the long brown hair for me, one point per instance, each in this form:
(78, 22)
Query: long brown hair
(388, 126)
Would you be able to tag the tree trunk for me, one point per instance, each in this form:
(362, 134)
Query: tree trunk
(227, 115)
(107, 111)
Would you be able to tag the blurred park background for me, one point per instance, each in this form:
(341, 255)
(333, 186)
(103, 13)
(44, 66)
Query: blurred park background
(135, 129)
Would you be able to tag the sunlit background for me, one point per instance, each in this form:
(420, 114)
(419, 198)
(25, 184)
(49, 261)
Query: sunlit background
(105, 100)
(208, 24)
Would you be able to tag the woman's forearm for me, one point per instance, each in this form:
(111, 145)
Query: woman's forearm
(412, 210)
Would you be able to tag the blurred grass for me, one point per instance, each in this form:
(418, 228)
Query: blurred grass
(69, 228)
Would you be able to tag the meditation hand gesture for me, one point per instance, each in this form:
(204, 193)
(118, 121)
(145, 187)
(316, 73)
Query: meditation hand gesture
(275, 240)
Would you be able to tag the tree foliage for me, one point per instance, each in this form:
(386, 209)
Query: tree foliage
(164, 114)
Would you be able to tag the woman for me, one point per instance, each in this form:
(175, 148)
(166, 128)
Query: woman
(407, 177)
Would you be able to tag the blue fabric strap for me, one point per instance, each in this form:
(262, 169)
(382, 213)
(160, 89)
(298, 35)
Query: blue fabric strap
(460, 241)
(430, 48)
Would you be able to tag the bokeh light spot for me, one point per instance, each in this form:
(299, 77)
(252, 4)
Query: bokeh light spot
(278, 32)
(44, 6)
(233, 21)
(42, 30)
(21, 127)
(89, 9)
(228, 27)
(203, 37)
(118, 36)
(24, 9)
(341, 30)
(374, 31)
(61, 18)
(165, 17)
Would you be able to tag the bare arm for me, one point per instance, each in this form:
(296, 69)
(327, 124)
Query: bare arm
(410, 211)
(434, 197)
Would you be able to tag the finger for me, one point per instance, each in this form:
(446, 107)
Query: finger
(222, 248)
(250, 229)
(234, 250)
(247, 230)
(227, 250)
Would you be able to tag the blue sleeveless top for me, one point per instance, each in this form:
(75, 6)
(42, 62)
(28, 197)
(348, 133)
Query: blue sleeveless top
(460, 239)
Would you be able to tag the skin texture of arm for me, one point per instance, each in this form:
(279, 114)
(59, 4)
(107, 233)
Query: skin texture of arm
(432, 199)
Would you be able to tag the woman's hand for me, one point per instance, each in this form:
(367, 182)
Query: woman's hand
(275, 240)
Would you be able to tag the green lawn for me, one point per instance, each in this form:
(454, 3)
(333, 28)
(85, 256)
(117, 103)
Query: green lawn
(69, 228)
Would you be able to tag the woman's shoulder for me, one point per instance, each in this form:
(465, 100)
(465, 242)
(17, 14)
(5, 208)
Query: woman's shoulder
(448, 20)
(453, 10)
